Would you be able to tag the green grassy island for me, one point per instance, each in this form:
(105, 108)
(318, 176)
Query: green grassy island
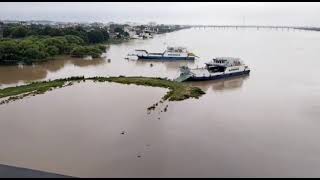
(177, 91)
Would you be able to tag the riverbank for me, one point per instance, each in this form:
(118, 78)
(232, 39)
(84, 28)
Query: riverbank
(177, 91)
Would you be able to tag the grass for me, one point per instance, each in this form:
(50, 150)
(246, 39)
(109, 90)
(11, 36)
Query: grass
(38, 86)
(177, 91)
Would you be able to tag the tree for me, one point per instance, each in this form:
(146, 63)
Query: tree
(74, 39)
(19, 32)
(41, 41)
(126, 34)
(8, 50)
(78, 51)
(52, 50)
(105, 34)
(102, 47)
(7, 31)
(119, 30)
(82, 51)
(95, 52)
(34, 53)
(95, 36)
(31, 49)
(59, 42)
(77, 31)
(55, 32)
(119, 36)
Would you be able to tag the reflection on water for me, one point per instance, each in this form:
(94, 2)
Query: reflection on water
(232, 83)
(25, 73)
(87, 63)
(14, 74)
(170, 65)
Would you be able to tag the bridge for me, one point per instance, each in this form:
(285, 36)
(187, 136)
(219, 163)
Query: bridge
(257, 27)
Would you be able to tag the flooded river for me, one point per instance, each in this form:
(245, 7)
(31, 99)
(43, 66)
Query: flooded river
(263, 125)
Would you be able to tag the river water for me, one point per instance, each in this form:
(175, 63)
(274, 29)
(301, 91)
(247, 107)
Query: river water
(262, 125)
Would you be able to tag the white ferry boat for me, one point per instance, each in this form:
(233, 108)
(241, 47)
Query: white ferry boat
(217, 68)
(171, 53)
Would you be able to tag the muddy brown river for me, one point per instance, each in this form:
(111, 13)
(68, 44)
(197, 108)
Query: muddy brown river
(263, 125)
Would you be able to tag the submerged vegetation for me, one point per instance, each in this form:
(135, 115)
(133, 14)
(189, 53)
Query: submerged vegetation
(177, 91)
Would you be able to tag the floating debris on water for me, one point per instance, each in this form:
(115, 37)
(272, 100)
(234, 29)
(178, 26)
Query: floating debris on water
(151, 65)
(109, 60)
(123, 132)
(166, 108)
(153, 106)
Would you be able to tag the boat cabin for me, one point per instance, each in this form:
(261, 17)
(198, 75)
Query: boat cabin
(176, 49)
(225, 61)
(220, 64)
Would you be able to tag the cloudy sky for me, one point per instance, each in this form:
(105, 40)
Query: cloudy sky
(271, 13)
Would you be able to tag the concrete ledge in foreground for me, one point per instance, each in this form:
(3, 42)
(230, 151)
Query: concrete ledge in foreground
(17, 172)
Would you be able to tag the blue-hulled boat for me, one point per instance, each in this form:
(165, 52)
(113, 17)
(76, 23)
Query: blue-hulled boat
(217, 68)
(171, 53)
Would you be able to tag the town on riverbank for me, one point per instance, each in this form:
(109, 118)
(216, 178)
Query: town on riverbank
(35, 41)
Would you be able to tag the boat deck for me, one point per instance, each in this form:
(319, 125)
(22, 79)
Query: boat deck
(203, 72)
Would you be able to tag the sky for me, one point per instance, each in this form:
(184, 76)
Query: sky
(204, 13)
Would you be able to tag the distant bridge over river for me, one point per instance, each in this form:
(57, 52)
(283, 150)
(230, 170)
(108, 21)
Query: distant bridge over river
(257, 27)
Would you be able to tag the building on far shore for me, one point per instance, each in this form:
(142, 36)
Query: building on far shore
(116, 30)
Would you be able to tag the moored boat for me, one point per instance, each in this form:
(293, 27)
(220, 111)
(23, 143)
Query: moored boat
(217, 68)
(171, 53)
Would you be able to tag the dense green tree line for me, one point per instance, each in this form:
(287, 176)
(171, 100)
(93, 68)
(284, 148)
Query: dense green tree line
(89, 35)
(39, 48)
(32, 43)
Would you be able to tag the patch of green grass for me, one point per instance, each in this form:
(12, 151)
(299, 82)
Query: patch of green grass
(177, 90)
(39, 87)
